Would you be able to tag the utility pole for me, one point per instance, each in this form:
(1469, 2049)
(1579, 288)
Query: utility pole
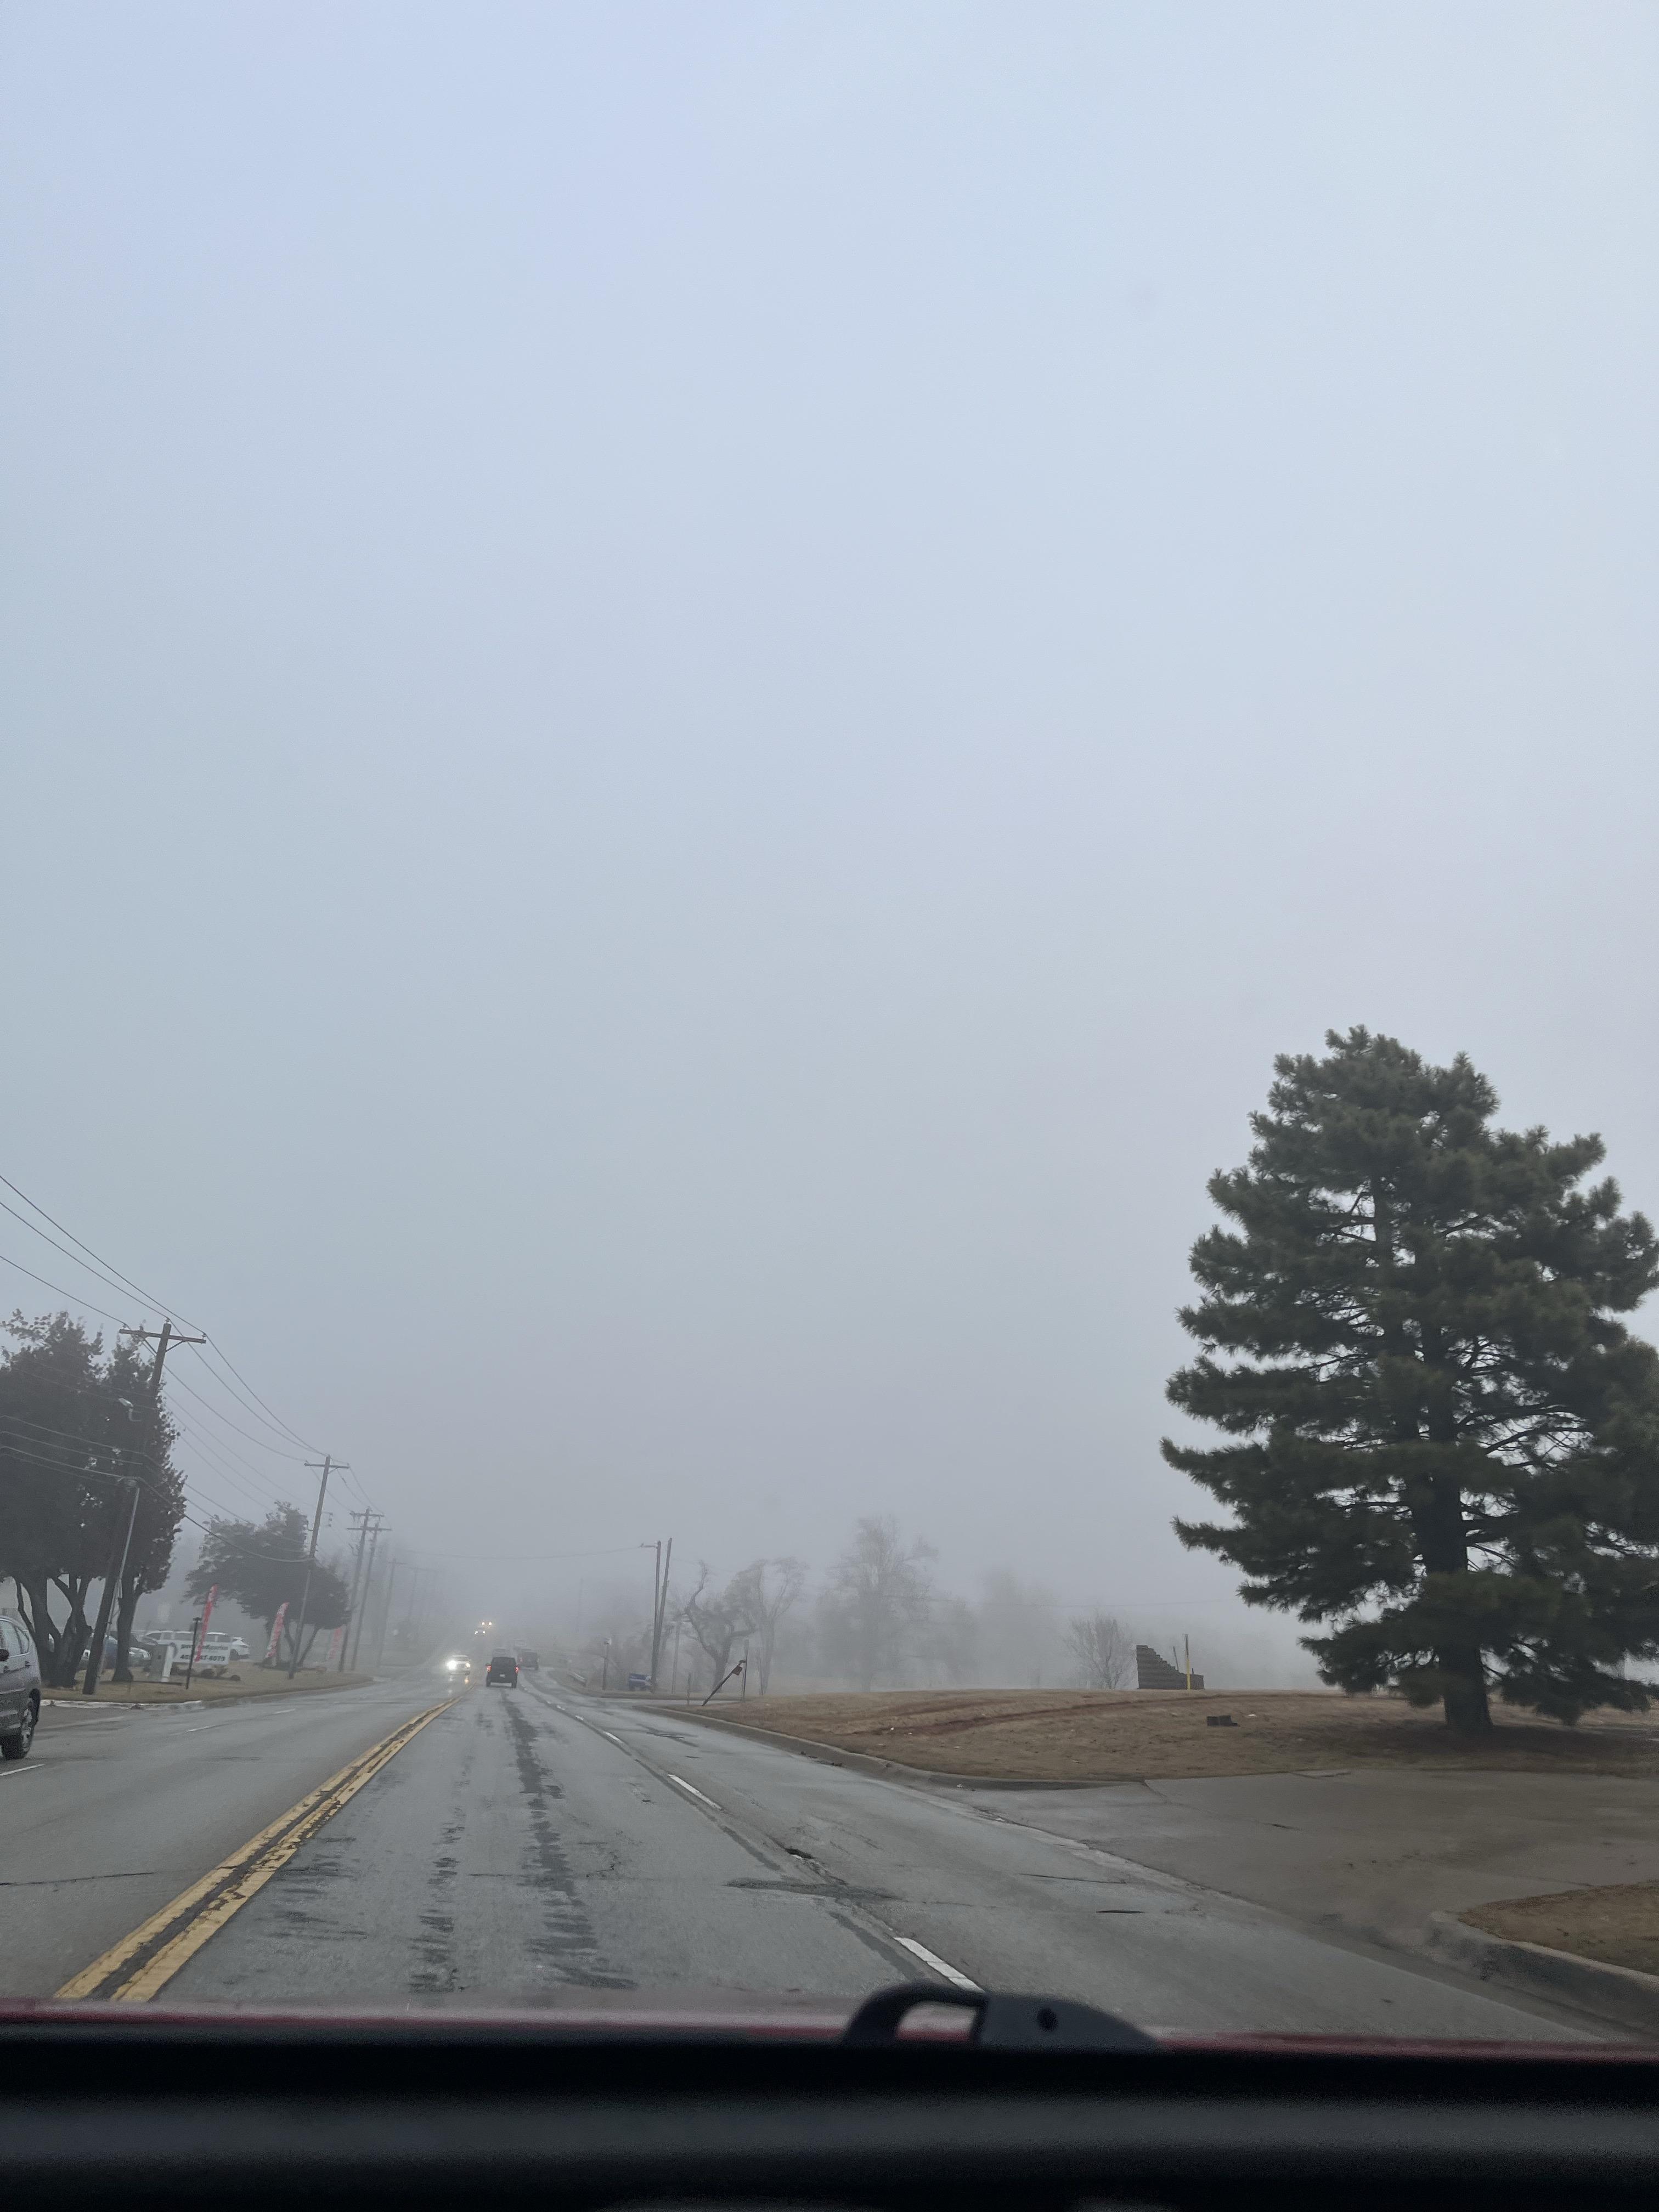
(659, 1605)
(329, 1464)
(117, 1564)
(656, 1602)
(385, 1611)
(355, 1639)
(359, 1521)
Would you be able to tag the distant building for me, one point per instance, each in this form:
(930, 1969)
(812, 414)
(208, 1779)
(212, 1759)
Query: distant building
(1152, 1672)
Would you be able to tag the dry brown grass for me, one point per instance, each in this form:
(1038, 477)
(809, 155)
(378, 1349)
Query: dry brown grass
(1110, 1736)
(1617, 1925)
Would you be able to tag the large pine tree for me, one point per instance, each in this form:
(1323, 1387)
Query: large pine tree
(1440, 1441)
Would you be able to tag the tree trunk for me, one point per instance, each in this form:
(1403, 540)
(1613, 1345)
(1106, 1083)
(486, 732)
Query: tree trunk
(73, 1637)
(124, 1613)
(1468, 1708)
(37, 1613)
(1445, 1547)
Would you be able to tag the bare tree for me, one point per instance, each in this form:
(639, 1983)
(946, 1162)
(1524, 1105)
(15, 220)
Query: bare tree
(949, 1651)
(764, 1604)
(1104, 1649)
(880, 1598)
(1020, 1638)
(616, 1642)
(717, 1620)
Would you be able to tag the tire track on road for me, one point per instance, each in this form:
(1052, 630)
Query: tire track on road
(567, 1949)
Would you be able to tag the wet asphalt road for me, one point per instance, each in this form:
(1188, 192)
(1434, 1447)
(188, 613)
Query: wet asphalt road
(530, 1841)
(117, 1809)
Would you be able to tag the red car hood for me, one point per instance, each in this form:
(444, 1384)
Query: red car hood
(649, 2014)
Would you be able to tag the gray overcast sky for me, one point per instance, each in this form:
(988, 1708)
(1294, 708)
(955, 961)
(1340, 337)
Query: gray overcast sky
(691, 692)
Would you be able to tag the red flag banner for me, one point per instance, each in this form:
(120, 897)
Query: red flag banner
(276, 1631)
(206, 1615)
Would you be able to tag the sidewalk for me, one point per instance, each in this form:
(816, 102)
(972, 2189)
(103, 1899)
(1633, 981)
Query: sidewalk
(1371, 1853)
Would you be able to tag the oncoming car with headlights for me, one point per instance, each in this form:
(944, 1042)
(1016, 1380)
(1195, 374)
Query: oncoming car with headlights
(457, 1671)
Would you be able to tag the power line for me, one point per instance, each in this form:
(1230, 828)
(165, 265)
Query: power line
(73, 1297)
(285, 1426)
(211, 1528)
(80, 1441)
(259, 1441)
(203, 1440)
(252, 1403)
(160, 1305)
(108, 1281)
(208, 1446)
(149, 1298)
(529, 1558)
(225, 1473)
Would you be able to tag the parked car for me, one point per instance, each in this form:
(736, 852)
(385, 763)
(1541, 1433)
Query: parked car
(531, 1662)
(503, 1667)
(19, 1687)
(639, 1681)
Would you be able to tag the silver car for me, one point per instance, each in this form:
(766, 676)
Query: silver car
(19, 1687)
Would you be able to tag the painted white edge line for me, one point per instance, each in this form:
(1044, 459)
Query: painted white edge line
(697, 1793)
(933, 1959)
(616, 1740)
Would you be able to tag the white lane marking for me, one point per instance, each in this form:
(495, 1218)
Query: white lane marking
(697, 1793)
(616, 1740)
(933, 1959)
(18, 1772)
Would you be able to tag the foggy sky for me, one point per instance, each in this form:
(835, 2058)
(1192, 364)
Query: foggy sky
(691, 692)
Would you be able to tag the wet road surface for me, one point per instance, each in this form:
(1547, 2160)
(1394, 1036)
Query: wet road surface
(531, 1841)
(117, 1810)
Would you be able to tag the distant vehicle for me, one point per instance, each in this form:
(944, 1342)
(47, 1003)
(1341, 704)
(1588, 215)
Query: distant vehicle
(639, 1681)
(138, 1655)
(531, 1662)
(19, 1687)
(458, 1669)
(238, 1649)
(503, 1667)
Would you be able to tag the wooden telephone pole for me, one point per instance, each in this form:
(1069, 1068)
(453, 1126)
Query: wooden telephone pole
(165, 1339)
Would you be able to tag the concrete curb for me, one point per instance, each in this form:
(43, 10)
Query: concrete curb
(1612, 1993)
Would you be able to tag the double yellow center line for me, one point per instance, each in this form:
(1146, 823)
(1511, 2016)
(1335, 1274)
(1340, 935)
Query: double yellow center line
(145, 1961)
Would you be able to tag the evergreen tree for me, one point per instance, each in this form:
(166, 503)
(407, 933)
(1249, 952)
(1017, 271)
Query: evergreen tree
(262, 1567)
(68, 1439)
(1440, 1439)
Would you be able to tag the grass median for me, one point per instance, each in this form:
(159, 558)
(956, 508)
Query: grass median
(1118, 1735)
(213, 1689)
(1618, 1926)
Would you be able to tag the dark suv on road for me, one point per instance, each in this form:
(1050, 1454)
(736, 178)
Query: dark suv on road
(19, 1687)
(502, 1667)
